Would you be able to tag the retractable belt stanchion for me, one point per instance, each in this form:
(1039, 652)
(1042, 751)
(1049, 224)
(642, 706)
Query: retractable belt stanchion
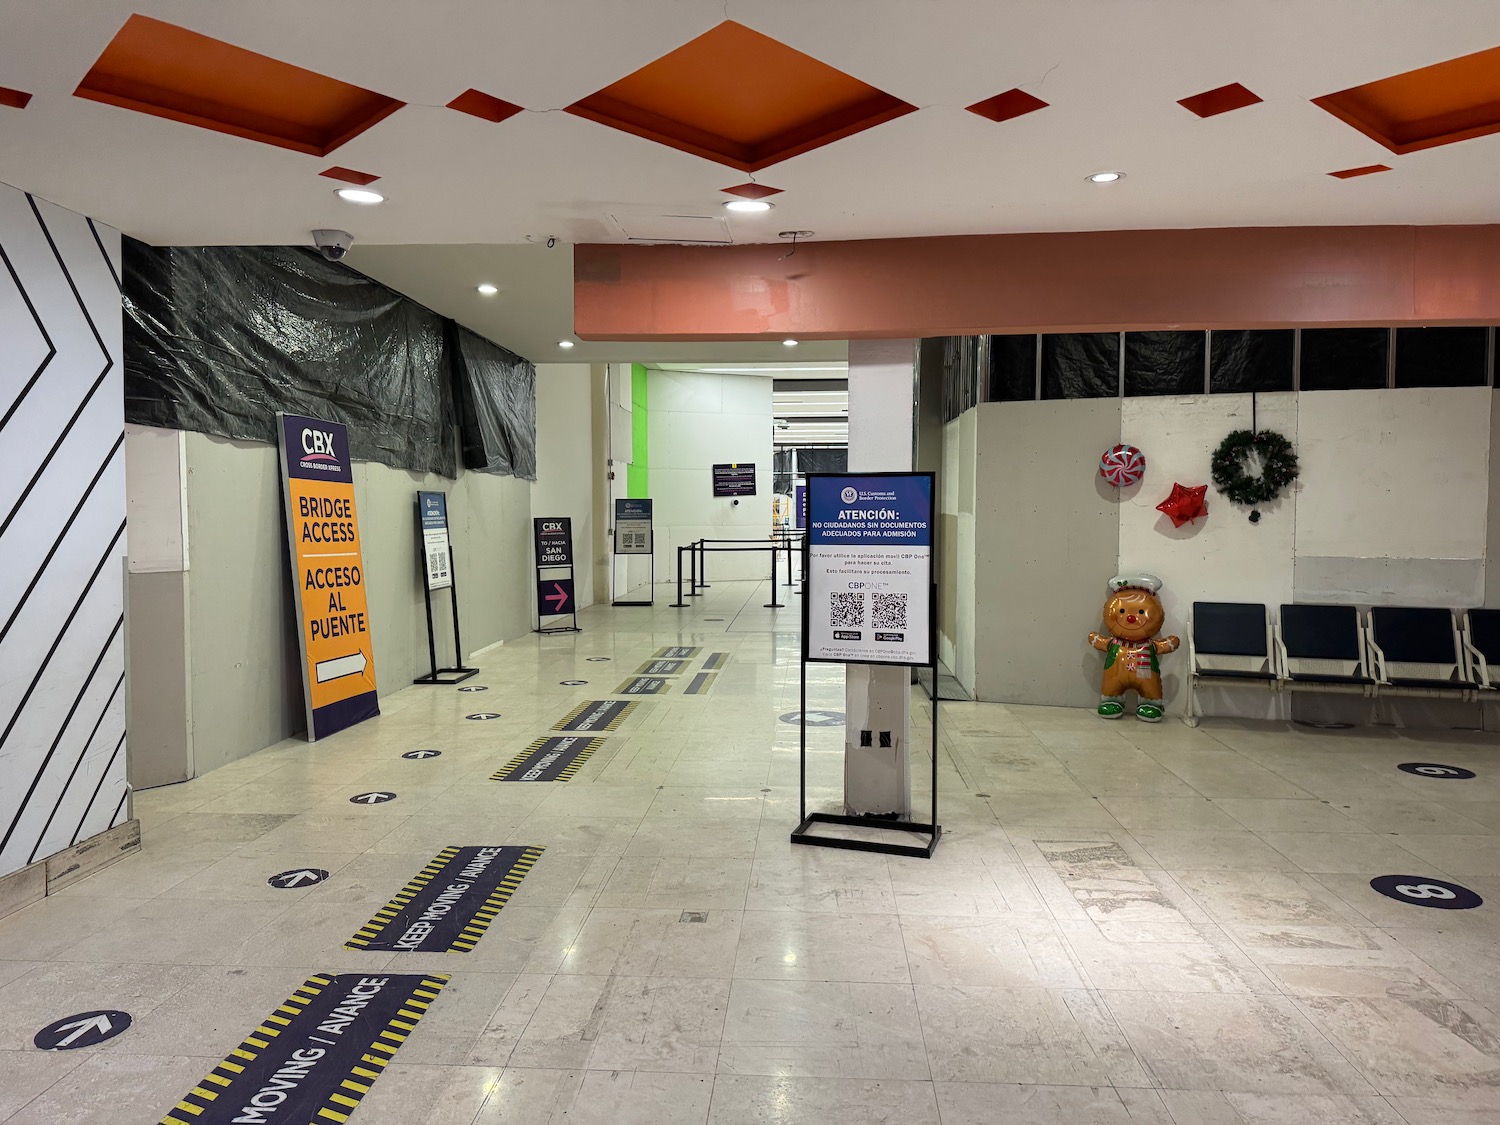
(692, 549)
(679, 603)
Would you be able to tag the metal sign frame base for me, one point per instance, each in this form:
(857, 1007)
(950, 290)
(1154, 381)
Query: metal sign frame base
(802, 835)
(455, 675)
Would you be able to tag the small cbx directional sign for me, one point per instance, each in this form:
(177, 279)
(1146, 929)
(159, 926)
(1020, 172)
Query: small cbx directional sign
(549, 759)
(315, 1056)
(449, 904)
(596, 714)
(298, 877)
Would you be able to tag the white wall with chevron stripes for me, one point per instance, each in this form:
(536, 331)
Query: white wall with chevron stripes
(62, 531)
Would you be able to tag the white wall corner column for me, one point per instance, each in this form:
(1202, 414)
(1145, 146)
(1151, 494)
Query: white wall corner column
(877, 698)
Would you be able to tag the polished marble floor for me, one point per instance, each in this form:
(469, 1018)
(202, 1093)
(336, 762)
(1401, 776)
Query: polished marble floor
(1123, 922)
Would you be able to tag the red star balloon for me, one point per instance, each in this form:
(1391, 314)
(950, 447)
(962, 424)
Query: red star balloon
(1185, 504)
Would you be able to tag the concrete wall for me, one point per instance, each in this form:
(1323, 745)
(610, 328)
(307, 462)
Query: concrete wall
(245, 679)
(565, 477)
(1398, 504)
(956, 589)
(697, 421)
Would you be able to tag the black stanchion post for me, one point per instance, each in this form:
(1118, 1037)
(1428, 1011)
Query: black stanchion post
(703, 564)
(692, 549)
(773, 603)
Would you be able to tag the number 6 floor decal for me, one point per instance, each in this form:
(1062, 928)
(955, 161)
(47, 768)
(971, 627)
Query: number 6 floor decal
(1422, 890)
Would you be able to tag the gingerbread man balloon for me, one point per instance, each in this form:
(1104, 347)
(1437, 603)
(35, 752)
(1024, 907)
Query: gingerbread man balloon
(1133, 615)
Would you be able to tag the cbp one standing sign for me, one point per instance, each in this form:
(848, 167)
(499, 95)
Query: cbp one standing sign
(869, 577)
(338, 655)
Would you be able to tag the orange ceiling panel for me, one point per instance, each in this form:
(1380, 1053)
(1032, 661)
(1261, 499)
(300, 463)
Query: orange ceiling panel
(168, 71)
(1003, 107)
(349, 176)
(752, 191)
(1435, 105)
(16, 99)
(476, 103)
(1362, 170)
(1219, 100)
(740, 98)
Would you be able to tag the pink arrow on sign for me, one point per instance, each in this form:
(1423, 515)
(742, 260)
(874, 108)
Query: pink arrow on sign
(558, 599)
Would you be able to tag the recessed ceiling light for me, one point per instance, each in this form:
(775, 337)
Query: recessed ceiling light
(789, 343)
(1106, 177)
(487, 289)
(359, 195)
(746, 205)
(565, 343)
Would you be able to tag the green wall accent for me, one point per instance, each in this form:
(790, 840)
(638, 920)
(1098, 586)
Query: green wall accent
(637, 473)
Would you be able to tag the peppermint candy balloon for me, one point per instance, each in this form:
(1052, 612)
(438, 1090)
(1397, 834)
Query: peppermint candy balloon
(1123, 465)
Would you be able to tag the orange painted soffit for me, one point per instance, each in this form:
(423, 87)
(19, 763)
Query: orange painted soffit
(753, 191)
(15, 99)
(1219, 100)
(486, 107)
(740, 98)
(349, 176)
(1362, 170)
(1012, 103)
(168, 71)
(1434, 105)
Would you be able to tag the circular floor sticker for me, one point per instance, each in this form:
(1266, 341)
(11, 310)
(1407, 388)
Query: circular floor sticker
(298, 877)
(375, 798)
(816, 718)
(474, 687)
(418, 755)
(83, 1030)
(597, 659)
(572, 683)
(1432, 769)
(1421, 890)
(483, 715)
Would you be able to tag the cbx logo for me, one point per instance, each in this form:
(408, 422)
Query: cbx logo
(551, 527)
(849, 496)
(318, 445)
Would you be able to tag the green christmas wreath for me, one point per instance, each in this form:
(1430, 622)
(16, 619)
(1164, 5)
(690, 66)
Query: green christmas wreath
(1277, 459)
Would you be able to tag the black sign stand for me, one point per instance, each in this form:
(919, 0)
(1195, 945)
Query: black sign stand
(537, 540)
(459, 672)
(802, 834)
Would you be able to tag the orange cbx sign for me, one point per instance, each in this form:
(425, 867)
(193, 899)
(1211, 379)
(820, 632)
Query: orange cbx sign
(338, 656)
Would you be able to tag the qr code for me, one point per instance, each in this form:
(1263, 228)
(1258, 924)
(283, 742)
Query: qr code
(888, 611)
(846, 611)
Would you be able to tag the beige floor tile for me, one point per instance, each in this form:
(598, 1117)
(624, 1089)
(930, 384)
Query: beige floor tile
(984, 1103)
(787, 945)
(110, 1088)
(822, 1030)
(743, 1099)
(988, 952)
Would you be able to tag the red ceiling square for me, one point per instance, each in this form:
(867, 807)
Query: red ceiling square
(16, 99)
(168, 71)
(477, 103)
(1219, 100)
(1435, 105)
(1363, 170)
(740, 98)
(349, 176)
(752, 191)
(1003, 107)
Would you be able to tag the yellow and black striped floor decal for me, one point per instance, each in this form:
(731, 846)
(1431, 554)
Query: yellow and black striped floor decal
(449, 904)
(596, 715)
(701, 684)
(549, 759)
(312, 1059)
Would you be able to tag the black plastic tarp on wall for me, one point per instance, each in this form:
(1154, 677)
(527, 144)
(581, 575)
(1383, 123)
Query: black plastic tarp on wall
(495, 391)
(218, 339)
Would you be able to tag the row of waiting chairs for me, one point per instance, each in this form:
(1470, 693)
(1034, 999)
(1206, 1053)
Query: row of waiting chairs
(1330, 647)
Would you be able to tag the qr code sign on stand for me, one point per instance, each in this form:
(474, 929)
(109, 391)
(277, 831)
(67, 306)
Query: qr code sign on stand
(888, 611)
(846, 611)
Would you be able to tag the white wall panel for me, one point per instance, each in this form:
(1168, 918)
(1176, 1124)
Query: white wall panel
(565, 461)
(1397, 474)
(62, 531)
